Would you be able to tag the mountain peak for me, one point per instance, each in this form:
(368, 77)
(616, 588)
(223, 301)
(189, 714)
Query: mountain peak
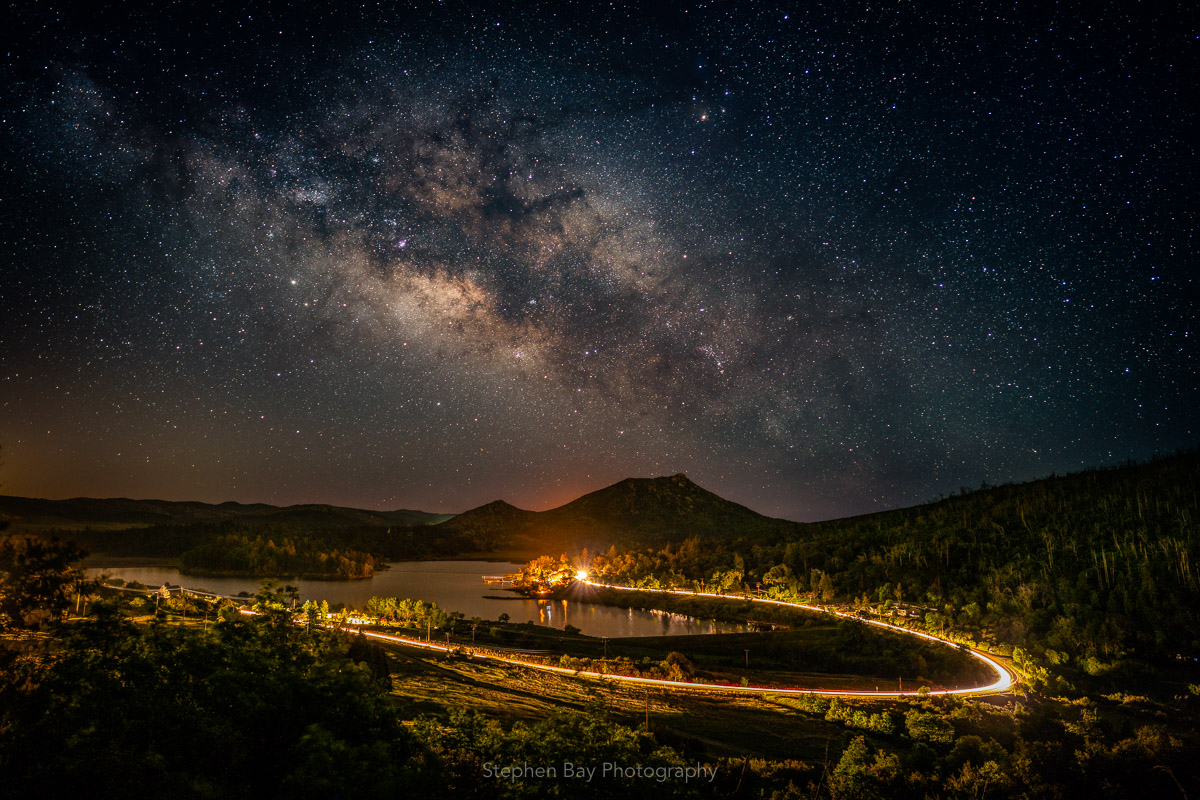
(648, 510)
(679, 479)
(497, 505)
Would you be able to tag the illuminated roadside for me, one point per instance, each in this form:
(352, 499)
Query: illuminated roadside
(1005, 679)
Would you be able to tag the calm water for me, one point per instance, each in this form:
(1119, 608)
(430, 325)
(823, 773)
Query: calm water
(453, 585)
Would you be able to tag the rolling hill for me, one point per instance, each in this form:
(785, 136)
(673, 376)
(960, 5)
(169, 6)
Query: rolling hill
(646, 511)
(32, 515)
(635, 511)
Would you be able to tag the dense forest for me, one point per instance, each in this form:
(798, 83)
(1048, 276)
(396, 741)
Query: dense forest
(383, 543)
(1086, 579)
(261, 706)
(241, 555)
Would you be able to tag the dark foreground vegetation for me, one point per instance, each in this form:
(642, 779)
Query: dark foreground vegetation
(202, 701)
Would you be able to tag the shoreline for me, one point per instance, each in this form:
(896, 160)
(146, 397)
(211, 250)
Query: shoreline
(101, 561)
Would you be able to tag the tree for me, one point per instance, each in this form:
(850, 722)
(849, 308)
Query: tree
(36, 579)
(312, 613)
(858, 776)
(923, 725)
(826, 588)
(165, 710)
(679, 667)
(777, 574)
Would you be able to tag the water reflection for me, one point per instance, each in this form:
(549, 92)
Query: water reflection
(455, 586)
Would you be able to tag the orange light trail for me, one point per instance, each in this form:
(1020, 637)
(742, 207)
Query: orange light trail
(1005, 679)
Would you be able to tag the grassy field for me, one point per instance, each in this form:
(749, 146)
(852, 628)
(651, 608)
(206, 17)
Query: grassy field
(702, 724)
(819, 653)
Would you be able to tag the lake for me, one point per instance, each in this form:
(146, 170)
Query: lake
(453, 585)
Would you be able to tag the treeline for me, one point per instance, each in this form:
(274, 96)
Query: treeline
(241, 555)
(411, 613)
(383, 543)
(260, 706)
(1090, 577)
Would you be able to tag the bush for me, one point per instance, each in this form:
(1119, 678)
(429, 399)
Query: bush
(924, 726)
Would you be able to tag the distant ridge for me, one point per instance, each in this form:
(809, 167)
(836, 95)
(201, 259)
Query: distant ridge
(634, 511)
(36, 514)
(650, 511)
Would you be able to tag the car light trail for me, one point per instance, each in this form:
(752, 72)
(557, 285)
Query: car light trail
(1004, 677)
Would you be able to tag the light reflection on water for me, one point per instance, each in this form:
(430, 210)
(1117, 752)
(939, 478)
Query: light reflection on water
(455, 586)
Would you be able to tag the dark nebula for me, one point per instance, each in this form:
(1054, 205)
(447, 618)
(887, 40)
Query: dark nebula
(825, 259)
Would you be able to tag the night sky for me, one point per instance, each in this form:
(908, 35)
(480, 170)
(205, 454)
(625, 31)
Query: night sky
(825, 259)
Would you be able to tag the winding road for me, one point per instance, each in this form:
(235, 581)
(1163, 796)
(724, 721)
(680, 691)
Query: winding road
(1004, 682)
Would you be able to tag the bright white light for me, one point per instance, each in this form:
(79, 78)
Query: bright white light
(581, 574)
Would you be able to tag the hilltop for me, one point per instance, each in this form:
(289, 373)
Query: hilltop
(635, 511)
(631, 512)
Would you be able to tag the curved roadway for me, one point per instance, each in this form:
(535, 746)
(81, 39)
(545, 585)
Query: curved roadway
(1005, 679)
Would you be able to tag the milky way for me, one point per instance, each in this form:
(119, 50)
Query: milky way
(824, 260)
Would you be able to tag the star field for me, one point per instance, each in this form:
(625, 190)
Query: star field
(824, 259)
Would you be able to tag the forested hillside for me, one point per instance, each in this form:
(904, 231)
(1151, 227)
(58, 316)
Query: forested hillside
(241, 555)
(383, 543)
(1087, 575)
